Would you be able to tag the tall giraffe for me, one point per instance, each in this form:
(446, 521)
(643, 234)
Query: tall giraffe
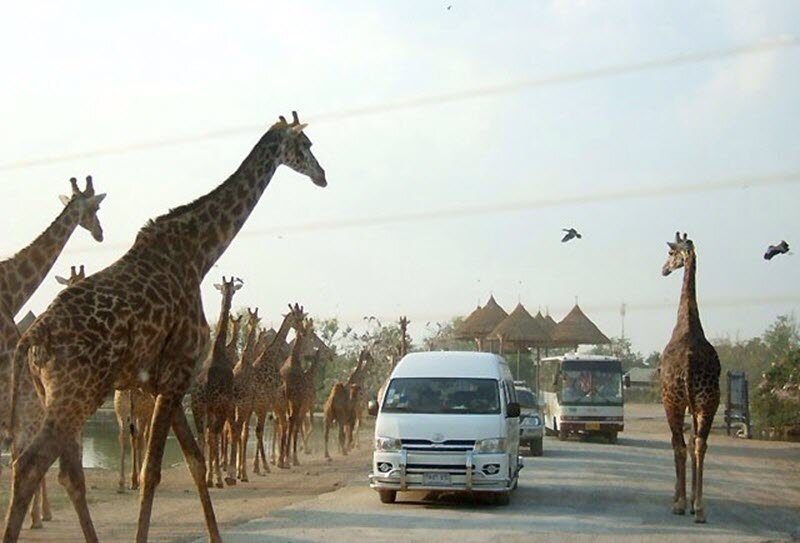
(233, 341)
(358, 405)
(403, 348)
(239, 422)
(140, 323)
(689, 379)
(309, 401)
(212, 395)
(291, 391)
(20, 276)
(267, 381)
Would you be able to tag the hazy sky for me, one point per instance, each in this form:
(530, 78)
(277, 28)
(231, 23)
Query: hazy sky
(603, 150)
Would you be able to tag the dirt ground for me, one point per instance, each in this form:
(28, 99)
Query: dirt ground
(177, 515)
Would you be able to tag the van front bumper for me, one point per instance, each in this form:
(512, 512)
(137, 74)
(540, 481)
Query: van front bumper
(461, 471)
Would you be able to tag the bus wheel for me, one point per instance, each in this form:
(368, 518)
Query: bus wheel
(612, 437)
(387, 496)
(562, 435)
(536, 447)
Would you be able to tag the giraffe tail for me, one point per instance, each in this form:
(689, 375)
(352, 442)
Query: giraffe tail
(17, 366)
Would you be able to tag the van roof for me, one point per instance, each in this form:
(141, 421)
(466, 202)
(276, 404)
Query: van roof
(451, 364)
(576, 356)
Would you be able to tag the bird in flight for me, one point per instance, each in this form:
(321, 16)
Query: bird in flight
(570, 233)
(448, 7)
(778, 249)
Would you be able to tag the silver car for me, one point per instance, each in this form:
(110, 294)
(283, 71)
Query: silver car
(531, 427)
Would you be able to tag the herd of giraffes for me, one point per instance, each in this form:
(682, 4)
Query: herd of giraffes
(137, 329)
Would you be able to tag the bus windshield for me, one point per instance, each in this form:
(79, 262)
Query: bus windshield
(442, 395)
(595, 386)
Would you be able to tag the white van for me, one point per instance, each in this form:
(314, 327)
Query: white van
(447, 421)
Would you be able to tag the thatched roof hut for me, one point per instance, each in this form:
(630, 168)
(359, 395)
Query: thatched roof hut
(577, 329)
(26, 321)
(520, 329)
(482, 321)
(547, 324)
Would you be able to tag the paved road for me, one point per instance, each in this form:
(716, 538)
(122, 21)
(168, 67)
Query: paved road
(579, 491)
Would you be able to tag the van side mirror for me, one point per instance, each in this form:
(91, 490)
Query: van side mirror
(372, 408)
(627, 380)
(512, 410)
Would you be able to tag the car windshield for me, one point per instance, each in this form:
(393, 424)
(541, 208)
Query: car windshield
(526, 398)
(442, 395)
(591, 387)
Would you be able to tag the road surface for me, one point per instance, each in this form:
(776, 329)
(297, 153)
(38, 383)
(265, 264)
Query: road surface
(579, 491)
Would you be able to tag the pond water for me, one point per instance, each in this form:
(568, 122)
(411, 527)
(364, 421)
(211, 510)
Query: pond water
(101, 442)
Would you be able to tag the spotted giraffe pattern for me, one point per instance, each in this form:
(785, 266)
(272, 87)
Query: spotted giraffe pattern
(139, 323)
(20, 276)
(291, 392)
(308, 391)
(267, 381)
(238, 423)
(212, 394)
(690, 372)
(134, 410)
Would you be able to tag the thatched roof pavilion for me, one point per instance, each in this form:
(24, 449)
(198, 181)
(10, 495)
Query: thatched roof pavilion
(576, 329)
(547, 324)
(26, 321)
(520, 329)
(482, 321)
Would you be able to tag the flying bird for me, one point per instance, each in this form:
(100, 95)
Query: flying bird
(778, 249)
(448, 7)
(570, 233)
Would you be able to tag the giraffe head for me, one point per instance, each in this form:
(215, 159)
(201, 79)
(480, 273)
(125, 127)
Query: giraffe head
(679, 251)
(296, 316)
(296, 150)
(355, 391)
(228, 288)
(88, 203)
(253, 319)
(365, 357)
(74, 276)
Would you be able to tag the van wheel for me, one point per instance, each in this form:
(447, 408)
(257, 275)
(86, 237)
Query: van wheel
(536, 447)
(387, 496)
(612, 437)
(502, 498)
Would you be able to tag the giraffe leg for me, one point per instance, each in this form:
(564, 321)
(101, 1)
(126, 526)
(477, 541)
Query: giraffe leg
(327, 431)
(298, 423)
(36, 509)
(47, 514)
(136, 455)
(675, 419)
(308, 428)
(234, 431)
(71, 477)
(693, 463)
(700, 447)
(245, 435)
(260, 451)
(29, 469)
(214, 456)
(122, 446)
(162, 415)
(194, 459)
(209, 463)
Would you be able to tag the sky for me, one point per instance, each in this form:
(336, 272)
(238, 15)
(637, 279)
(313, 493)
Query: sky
(457, 143)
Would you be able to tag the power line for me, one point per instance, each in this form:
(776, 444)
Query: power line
(763, 46)
(663, 190)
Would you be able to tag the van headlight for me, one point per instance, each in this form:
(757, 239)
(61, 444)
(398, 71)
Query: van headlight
(388, 444)
(531, 421)
(491, 446)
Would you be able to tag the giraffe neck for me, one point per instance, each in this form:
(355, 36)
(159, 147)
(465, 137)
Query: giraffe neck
(22, 274)
(688, 313)
(195, 235)
(231, 346)
(272, 351)
(221, 341)
(249, 346)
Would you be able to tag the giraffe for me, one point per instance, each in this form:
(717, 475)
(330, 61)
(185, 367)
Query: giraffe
(403, 347)
(74, 276)
(291, 391)
(134, 410)
(336, 411)
(238, 423)
(233, 343)
(139, 323)
(357, 404)
(20, 276)
(267, 380)
(309, 395)
(689, 379)
(212, 396)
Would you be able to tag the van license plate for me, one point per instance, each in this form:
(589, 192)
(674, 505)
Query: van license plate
(592, 425)
(436, 479)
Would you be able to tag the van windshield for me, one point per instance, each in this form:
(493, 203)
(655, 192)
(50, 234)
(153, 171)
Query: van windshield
(442, 395)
